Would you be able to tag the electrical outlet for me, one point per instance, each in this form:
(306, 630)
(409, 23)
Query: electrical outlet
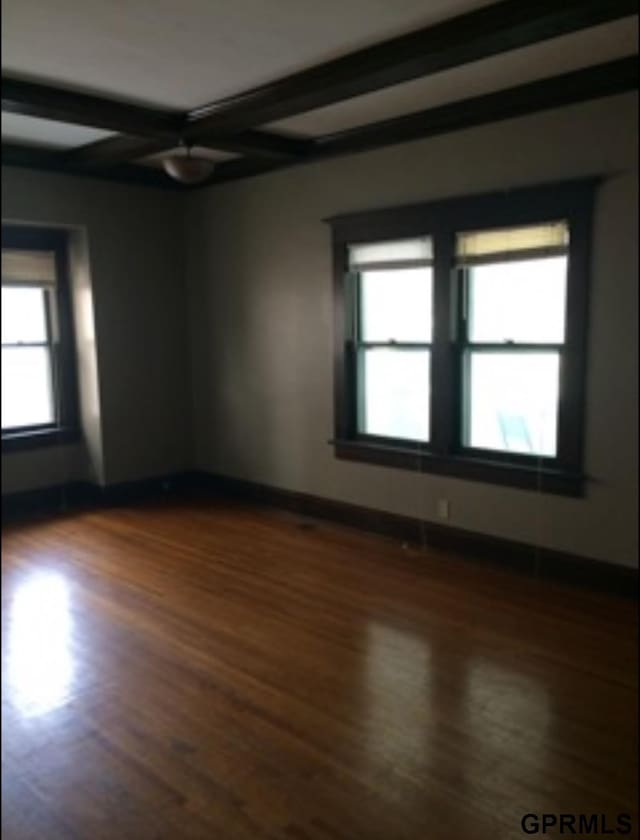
(443, 508)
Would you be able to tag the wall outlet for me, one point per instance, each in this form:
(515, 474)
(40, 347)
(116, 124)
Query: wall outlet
(443, 508)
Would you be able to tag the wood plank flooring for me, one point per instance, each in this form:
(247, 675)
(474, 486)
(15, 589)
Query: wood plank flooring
(202, 669)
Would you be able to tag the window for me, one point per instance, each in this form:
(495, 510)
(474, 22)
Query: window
(459, 336)
(513, 324)
(38, 396)
(394, 289)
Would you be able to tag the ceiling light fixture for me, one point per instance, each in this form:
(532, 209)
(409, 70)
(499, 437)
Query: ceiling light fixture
(187, 169)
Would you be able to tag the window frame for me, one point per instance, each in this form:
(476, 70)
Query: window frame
(445, 454)
(61, 342)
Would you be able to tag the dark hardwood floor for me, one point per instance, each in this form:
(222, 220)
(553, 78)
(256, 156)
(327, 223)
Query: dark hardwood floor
(201, 669)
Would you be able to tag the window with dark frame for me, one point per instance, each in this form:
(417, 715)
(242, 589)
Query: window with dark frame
(392, 295)
(38, 365)
(460, 331)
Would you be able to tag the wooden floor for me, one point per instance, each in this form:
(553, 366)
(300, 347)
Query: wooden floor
(203, 670)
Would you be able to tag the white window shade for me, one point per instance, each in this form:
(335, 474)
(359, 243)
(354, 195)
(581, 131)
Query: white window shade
(30, 268)
(480, 246)
(411, 251)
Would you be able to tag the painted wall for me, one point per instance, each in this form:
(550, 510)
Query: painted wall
(129, 269)
(258, 263)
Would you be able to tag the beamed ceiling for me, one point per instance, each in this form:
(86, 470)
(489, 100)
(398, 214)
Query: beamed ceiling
(107, 87)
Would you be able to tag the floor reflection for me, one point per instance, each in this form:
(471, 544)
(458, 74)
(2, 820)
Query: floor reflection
(505, 706)
(398, 707)
(412, 686)
(40, 665)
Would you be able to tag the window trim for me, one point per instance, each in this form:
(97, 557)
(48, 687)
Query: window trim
(442, 220)
(66, 428)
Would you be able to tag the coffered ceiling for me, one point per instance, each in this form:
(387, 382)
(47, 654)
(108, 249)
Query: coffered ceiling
(108, 87)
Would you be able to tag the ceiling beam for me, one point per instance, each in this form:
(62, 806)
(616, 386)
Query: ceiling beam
(607, 79)
(257, 144)
(146, 130)
(591, 83)
(111, 151)
(51, 103)
(229, 125)
(601, 80)
(493, 29)
(31, 157)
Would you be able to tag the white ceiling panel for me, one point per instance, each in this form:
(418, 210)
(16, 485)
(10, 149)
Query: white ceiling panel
(31, 131)
(187, 53)
(549, 58)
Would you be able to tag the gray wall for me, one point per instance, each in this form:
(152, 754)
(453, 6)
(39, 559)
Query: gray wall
(129, 269)
(259, 276)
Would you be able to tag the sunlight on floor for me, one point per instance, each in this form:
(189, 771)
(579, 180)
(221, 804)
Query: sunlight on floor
(40, 667)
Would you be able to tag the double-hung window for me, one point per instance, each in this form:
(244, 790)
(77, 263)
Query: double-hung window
(38, 395)
(513, 286)
(460, 333)
(393, 289)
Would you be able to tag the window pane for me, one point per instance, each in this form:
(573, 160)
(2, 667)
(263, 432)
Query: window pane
(398, 251)
(520, 301)
(23, 315)
(513, 402)
(396, 305)
(395, 388)
(26, 387)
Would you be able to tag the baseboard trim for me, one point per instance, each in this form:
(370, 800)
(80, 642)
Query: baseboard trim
(526, 559)
(79, 495)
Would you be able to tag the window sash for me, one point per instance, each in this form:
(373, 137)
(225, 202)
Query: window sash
(355, 278)
(464, 295)
(361, 392)
(49, 320)
(52, 390)
(465, 348)
(466, 403)
(356, 346)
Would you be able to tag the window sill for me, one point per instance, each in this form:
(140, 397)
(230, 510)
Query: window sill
(21, 441)
(472, 468)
